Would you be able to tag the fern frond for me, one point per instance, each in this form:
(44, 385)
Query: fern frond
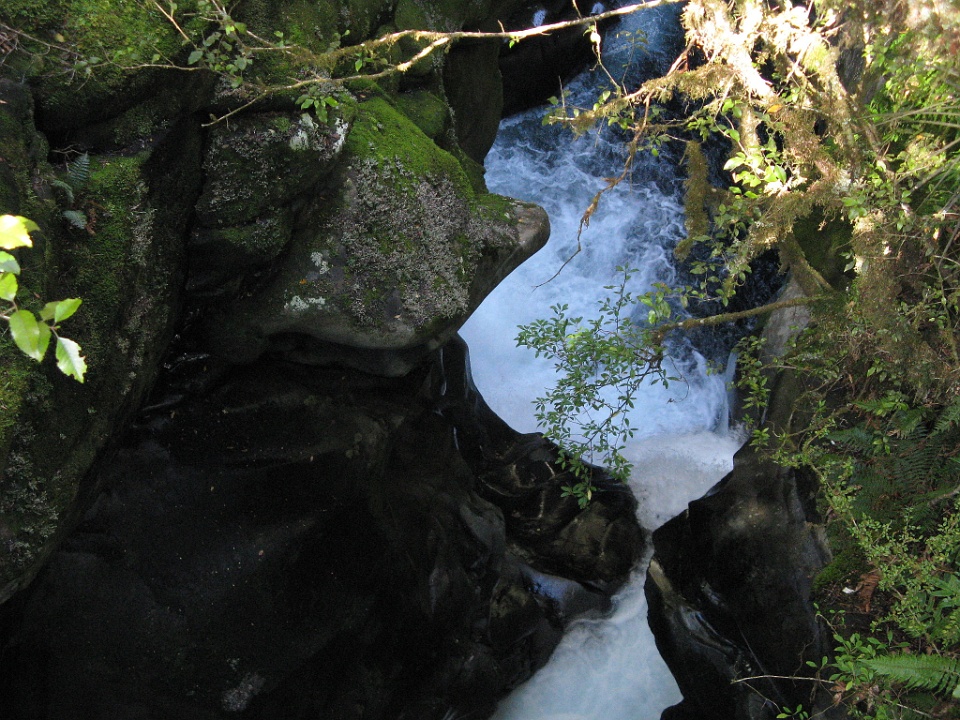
(918, 468)
(950, 417)
(65, 189)
(856, 439)
(909, 424)
(78, 171)
(933, 673)
(76, 218)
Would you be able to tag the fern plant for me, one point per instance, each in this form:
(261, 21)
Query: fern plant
(78, 175)
(933, 673)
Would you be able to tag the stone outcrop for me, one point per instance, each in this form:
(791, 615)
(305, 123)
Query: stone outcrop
(294, 541)
(315, 515)
(729, 590)
(128, 267)
(365, 240)
(385, 263)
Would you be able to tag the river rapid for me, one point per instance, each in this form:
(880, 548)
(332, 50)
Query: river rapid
(605, 668)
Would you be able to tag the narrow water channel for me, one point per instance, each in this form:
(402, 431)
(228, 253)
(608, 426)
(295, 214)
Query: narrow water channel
(605, 669)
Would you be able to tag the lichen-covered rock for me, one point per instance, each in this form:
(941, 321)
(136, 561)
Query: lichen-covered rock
(394, 258)
(257, 171)
(263, 161)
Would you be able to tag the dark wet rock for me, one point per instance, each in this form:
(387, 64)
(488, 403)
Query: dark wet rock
(475, 90)
(520, 473)
(536, 68)
(729, 589)
(297, 541)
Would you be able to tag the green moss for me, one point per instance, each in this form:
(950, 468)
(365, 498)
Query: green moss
(424, 14)
(124, 34)
(426, 111)
(475, 171)
(845, 569)
(101, 262)
(306, 23)
(244, 246)
(495, 208)
(31, 16)
(383, 134)
(139, 122)
(16, 139)
(134, 30)
(310, 28)
(14, 382)
(281, 123)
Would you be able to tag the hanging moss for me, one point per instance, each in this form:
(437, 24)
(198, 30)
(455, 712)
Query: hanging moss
(697, 187)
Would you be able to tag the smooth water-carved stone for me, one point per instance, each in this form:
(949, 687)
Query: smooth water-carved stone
(289, 542)
(729, 589)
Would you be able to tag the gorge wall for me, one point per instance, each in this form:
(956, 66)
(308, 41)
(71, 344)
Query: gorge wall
(277, 493)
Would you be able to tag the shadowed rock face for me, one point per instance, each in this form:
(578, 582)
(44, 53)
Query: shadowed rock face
(363, 241)
(292, 542)
(729, 591)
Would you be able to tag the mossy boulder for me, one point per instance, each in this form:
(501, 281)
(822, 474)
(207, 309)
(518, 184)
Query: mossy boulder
(395, 259)
(263, 161)
(90, 83)
(126, 266)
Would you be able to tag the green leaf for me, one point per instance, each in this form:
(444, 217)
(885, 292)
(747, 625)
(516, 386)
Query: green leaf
(48, 311)
(8, 287)
(66, 308)
(9, 264)
(69, 359)
(195, 57)
(29, 335)
(15, 231)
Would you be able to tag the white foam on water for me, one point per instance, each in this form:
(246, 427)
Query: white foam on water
(608, 668)
(605, 668)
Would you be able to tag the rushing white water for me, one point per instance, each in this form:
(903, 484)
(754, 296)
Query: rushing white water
(606, 668)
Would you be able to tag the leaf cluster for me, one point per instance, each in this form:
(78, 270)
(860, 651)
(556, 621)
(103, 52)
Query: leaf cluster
(602, 362)
(32, 332)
